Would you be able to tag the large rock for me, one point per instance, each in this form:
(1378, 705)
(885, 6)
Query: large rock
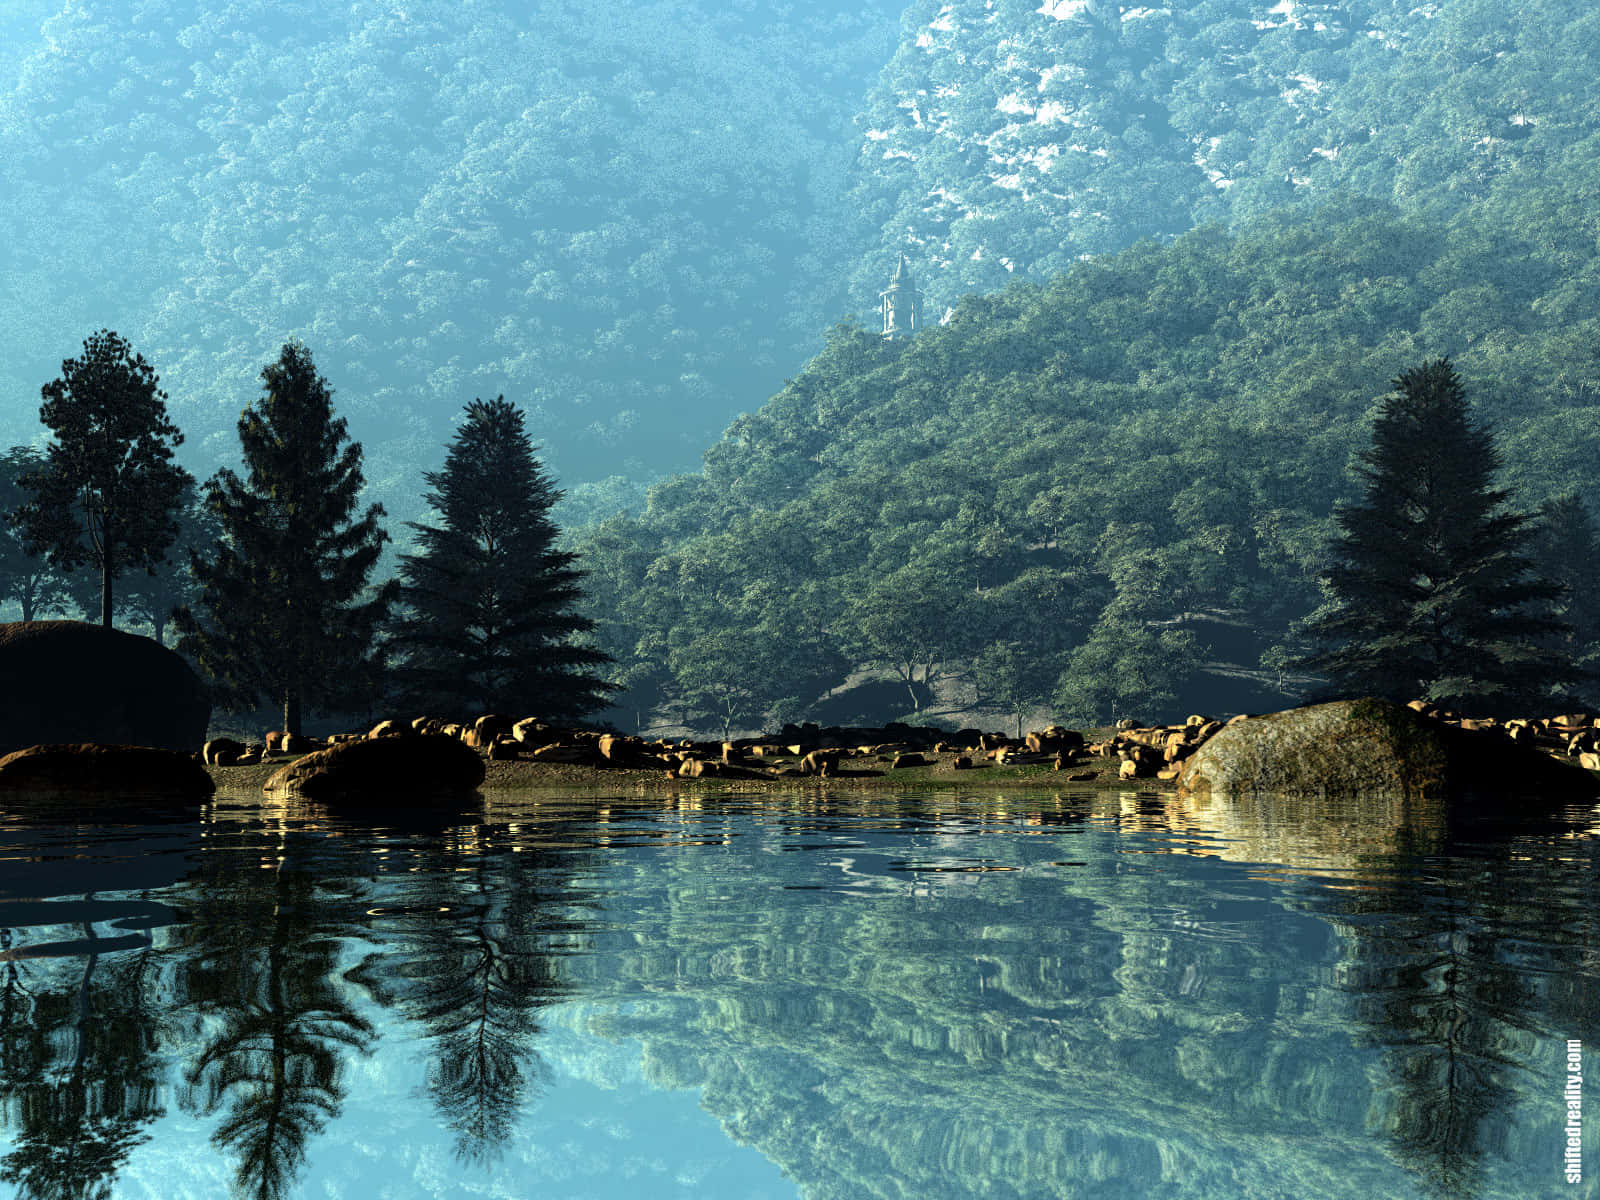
(1371, 747)
(392, 770)
(102, 776)
(68, 681)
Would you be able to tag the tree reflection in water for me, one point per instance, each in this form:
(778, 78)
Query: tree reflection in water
(1438, 968)
(79, 1077)
(475, 949)
(878, 1000)
(262, 951)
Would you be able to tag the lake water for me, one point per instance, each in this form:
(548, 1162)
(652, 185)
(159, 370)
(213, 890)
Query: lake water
(823, 996)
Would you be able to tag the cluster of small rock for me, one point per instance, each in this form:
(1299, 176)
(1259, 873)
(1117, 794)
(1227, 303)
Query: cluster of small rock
(796, 751)
(1566, 735)
(1157, 751)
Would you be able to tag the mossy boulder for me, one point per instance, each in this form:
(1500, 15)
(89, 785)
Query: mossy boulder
(1372, 747)
(103, 778)
(68, 681)
(397, 770)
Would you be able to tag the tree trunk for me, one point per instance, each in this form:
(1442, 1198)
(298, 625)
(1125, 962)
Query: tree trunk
(105, 592)
(291, 711)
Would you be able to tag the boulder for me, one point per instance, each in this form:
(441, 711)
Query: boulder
(620, 750)
(820, 762)
(390, 728)
(530, 728)
(384, 769)
(493, 725)
(110, 774)
(1371, 748)
(216, 750)
(69, 681)
(1054, 740)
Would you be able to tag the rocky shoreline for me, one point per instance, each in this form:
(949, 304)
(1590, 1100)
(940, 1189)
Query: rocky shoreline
(529, 754)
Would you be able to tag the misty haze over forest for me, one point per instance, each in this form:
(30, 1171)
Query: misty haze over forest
(640, 227)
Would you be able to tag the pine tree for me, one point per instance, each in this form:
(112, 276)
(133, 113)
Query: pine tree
(1566, 551)
(281, 595)
(1431, 591)
(106, 492)
(489, 621)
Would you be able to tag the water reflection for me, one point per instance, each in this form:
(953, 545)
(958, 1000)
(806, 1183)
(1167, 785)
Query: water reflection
(1034, 995)
(474, 956)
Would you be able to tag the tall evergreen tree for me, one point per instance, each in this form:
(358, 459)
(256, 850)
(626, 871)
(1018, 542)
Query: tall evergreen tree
(1431, 590)
(489, 621)
(1566, 551)
(106, 491)
(281, 594)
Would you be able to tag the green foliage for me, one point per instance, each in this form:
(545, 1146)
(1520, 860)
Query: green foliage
(28, 580)
(1059, 481)
(148, 599)
(1430, 588)
(488, 622)
(105, 493)
(1010, 140)
(1566, 551)
(282, 594)
(635, 222)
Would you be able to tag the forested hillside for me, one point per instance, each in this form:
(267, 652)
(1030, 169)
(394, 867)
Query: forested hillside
(630, 220)
(1012, 136)
(636, 224)
(1042, 494)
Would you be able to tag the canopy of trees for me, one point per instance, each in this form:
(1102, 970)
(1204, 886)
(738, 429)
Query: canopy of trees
(1067, 473)
(631, 224)
(639, 226)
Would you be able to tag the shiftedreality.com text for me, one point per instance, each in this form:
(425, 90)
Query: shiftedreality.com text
(1573, 1158)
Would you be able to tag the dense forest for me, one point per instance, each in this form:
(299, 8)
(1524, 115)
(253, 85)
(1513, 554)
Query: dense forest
(634, 225)
(1014, 137)
(1171, 260)
(637, 227)
(1048, 493)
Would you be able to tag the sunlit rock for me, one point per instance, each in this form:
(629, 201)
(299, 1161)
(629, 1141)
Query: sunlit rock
(1371, 747)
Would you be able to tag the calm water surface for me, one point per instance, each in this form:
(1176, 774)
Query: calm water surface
(818, 996)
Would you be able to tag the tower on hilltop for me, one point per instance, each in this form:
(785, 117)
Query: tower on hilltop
(901, 304)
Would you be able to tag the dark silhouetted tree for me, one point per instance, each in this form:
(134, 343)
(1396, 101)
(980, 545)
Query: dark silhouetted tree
(106, 492)
(1566, 551)
(1431, 589)
(489, 621)
(150, 599)
(285, 619)
(28, 579)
